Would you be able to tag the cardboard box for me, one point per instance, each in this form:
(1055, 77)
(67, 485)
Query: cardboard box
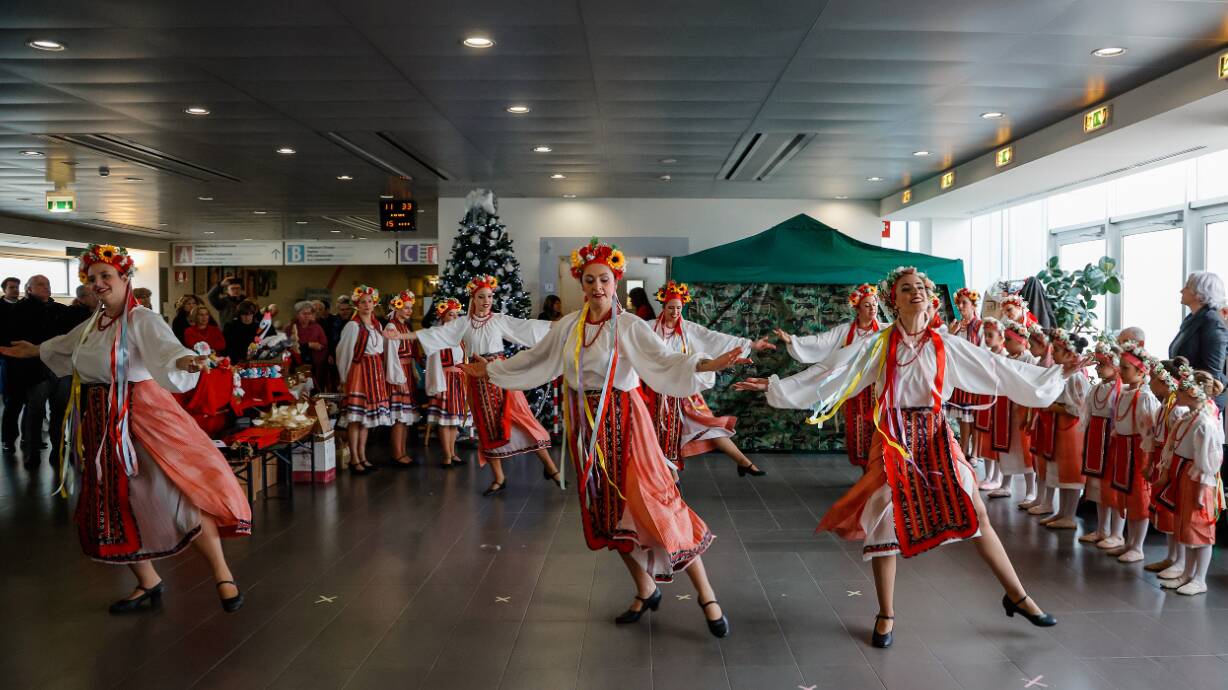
(322, 449)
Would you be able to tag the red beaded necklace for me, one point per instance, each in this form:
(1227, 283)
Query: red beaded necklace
(600, 328)
(479, 322)
(1131, 409)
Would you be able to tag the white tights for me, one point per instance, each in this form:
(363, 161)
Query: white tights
(1197, 560)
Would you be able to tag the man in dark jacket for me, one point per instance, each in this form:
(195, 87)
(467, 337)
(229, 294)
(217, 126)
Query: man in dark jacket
(226, 297)
(35, 318)
(9, 430)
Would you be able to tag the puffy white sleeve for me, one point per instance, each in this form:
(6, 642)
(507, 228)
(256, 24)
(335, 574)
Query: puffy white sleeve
(665, 371)
(809, 349)
(436, 381)
(1208, 449)
(824, 380)
(532, 367)
(56, 353)
(714, 343)
(797, 392)
(523, 332)
(160, 349)
(976, 370)
(443, 336)
(393, 372)
(1085, 410)
(1077, 386)
(1149, 409)
(345, 349)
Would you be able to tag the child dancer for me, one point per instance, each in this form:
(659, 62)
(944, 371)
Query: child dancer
(1127, 490)
(1041, 429)
(1096, 421)
(1161, 470)
(983, 422)
(1016, 458)
(1064, 438)
(963, 405)
(1198, 449)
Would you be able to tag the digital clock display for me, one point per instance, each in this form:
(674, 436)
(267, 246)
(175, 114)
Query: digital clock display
(398, 215)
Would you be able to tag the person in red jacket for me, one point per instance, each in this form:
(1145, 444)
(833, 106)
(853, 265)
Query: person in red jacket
(202, 330)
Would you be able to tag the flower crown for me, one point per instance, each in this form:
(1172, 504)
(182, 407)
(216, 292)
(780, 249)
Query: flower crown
(674, 290)
(887, 285)
(1132, 351)
(444, 306)
(365, 291)
(1106, 354)
(1160, 373)
(597, 253)
(1036, 331)
(1060, 336)
(972, 295)
(991, 322)
(1016, 329)
(861, 292)
(1013, 298)
(489, 282)
(404, 298)
(105, 254)
(1189, 384)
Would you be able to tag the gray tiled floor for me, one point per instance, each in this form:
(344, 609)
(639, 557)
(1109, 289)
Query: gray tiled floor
(419, 564)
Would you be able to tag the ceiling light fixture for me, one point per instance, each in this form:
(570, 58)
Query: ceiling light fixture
(133, 179)
(665, 178)
(993, 115)
(542, 149)
(196, 110)
(386, 196)
(286, 151)
(300, 222)
(345, 178)
(1112, 51)
(569, 196)
(260, 213)
(45, 44)
(874, 179)
(842, 196)
(208, 232)
(478, 42)
(163, 224)
(920, 154)
(205, 198)
(23, 198)
(518, 109)
(558, 176)
(335, 231)
(32, 154)
(247, 239)
(668, 161)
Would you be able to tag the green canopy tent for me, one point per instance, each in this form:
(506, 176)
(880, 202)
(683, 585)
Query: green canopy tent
(795, 276)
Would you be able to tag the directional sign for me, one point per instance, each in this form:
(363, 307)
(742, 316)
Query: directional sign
(358, 252)
(417, 253)
(226, 254)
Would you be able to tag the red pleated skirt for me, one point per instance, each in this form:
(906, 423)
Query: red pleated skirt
(1124, 487)
(366, 400)
(450, 408)
(403, 397)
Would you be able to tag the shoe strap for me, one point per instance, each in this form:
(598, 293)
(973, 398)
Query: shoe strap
(704, 605)
(226, 582)
(650, 596)
(1017, 603)
(880, 616)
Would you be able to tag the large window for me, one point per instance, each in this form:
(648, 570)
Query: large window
(1027, 239)
(1217, 248)
(1211, 172)
(1077, 254)
(1153, 272)
(987, 250)
(22, 267)
(1149, 190)
(1078, 206)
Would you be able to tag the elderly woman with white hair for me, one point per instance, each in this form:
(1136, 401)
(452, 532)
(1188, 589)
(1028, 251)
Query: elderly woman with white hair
(1203, 337)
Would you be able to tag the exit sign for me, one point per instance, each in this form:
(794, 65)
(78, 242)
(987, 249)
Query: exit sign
(61, 205)
(906, 196)
(1004, 156)
(1096, 119)
(1223, 66)
(947, 180)
(398, 215)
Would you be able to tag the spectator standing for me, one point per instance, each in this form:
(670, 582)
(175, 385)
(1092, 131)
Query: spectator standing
(183, 314)
(311, 343)
(226, 297)
(552, 309)
(202, 331)
(643, 308)
(331, 324)
(240, 332)
(82, 308)
(1203, 338)
(144, 297)
(35, 318)
(12, 410)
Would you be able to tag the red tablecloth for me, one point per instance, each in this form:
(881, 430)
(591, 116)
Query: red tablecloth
(209, 402)
(259, 437)
(262, 393)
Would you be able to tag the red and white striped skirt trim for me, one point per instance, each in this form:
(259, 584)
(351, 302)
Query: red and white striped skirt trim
(366, 399)
(450, 408)
(403, 397)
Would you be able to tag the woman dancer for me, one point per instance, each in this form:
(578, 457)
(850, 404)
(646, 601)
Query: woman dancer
(1061, 439)
(1134, 413)
(964, 405)
(445, 383)
(151, 480)
(808, 349)
(628, 500)
(1198, 448)
(403, 396)
(686, 426)
(918, 491)
(1161, 470)
(360, 361)
(506, 425)
(1096, 421)
(1015, 456)
(991, 426)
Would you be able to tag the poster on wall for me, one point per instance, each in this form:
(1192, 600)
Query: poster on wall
(417, 253)
(358, 252)
(226, 254)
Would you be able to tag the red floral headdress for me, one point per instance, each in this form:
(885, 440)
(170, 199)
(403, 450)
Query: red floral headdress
(861, 292)
(479, 282)
(674, 290)
(597, 253)
(1015, 331)
(404, 298)
(446, 305)
(1133, 352)
(1013, 298)
(1037, 332)
(105, 254)
(887, 286)
(972, 295)
(365, 291)
(991, 322)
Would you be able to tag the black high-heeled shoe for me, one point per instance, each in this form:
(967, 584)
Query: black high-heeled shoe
(1041, 620)
(649, 604)
(496, 488)
(553, 477)
(233, 603)
(153, 595)
(753, 471)
(882, 640)
(718, 627)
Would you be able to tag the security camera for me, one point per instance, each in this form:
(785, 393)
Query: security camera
(103, 171)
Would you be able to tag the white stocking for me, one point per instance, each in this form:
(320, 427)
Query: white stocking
(1199, 557)
(1029, 485)
(1044, 496)
(1138, 533)
(1070, 502)
(1176, 552)
(1117, 524)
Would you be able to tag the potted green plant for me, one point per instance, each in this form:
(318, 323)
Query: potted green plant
(1072, 294)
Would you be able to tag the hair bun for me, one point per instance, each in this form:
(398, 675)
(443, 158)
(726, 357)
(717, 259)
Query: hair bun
(1180, 361)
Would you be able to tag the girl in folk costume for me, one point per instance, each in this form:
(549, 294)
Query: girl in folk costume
(151, 480)
(963, 405)
(506, 425)
(1161, 470)
(987, 435)
(1015, 450)
(1015, 308)
(1042, 504)
(445, 383)
(1127, 491)
(809, 349)
(1197, 447)
(361, 355)
(686, 426)
(403, 393)
(918, 491)
(628, 499)
(1058, 436)
(1096, 421)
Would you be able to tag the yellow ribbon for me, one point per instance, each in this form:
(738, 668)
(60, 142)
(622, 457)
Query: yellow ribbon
(602, 464)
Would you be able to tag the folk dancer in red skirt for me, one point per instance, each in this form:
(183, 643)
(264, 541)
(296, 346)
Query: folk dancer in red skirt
(686, 426)
(506, 425)
(1198, 450)
(1161, 469)
(1058, 437)
(402, 389)
(809, 349)
(918, 491)
(1127, 490)
(628, 499)
(361, 355)
(151, 481)
(447, 409)
(991, 422)
(1040, 444)
(1096, 421)
(964, 405)
(1015, 451)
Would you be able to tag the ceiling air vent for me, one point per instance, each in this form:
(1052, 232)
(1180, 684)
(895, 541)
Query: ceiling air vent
(760, 155)
(144, 156)
(355, 222)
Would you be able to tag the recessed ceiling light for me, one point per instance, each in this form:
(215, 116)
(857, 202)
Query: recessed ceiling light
(163, 224)
(335, 231)
(542, 149)
(993, 115)
(1112, 51)
(345, 178)
(286, 151)
(32, 154)
(196, 110)
(842, 196)
(569, 196)
(362, 238)
(260, 213)
(558, 176)
(518, 109)
(667, 161)
(133, 179)
(23, 198)
(247, 239)
(300, 222)
(421, 210)
(208, 232)
(205, 198)
(44, 44)
(667, 178)
(385, 196)
(874, 179)
(920, 154)
(72, 163)
(478, 42)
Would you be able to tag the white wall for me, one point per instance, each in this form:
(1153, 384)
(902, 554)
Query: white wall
(705, 222)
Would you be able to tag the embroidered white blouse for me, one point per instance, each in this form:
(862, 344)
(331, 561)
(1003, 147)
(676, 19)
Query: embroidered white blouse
(699, 339)
(349, 338)
(152, 351)
(436, 379)
(1202, 441)
(809, 349)
(483, 337)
